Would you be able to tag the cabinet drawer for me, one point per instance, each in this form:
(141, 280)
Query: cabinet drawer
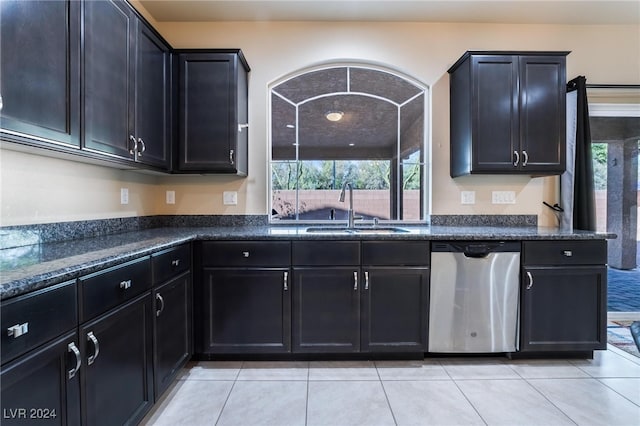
(170, 263)
(590, 252)
(106, 289)
(41, 316)
(246, 253)
(396, 253)
(326, 253)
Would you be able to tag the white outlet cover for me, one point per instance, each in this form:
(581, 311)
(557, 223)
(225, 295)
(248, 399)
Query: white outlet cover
(230, 198)
(124, 195)
(503, 197)
(468, 197)
(171, 197)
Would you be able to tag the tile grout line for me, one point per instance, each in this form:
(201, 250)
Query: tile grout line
(229, 394)
(620, 378)
(547, 399)
(384, 390)
(463, 394)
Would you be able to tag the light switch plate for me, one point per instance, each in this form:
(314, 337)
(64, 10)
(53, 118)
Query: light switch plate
(171, 197)
(468, 197)
(230, 198)
(124, 195)
(503, 197)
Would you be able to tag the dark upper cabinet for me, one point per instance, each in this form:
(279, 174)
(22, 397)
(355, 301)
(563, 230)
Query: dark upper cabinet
(126, 75)
(153, 99)
(508, 113)
(212, 129)
(40, 69)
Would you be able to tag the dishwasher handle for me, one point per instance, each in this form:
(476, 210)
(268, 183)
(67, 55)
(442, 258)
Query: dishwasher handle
(477, 251)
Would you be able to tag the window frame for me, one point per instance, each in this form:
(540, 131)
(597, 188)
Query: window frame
(426, 146)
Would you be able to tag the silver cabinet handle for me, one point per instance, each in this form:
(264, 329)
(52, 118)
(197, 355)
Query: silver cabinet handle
(72, 348)
(530, 280)
(18, 330)
(366, 280)
(243, 126)
(286, 281)
(1, 103)
(143, 148)
(526, 158)
(96, 348)
(245, 254)
(567, 253)
(125, 284)
(517, 160)
(355, 281)
(133, 149)
(175, 262)
(231, 156)
(161, 300)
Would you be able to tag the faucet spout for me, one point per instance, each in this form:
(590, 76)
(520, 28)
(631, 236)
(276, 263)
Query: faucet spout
(350, 214)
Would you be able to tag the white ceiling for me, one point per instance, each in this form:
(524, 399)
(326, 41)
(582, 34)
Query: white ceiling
(577, 12)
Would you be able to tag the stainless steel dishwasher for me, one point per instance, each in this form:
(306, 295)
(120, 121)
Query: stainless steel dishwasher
(474, 296)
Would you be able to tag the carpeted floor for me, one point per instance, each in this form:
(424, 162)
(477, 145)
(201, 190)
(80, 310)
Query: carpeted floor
(619, 335)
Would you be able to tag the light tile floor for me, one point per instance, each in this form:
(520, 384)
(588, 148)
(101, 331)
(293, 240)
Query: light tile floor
(443, 391)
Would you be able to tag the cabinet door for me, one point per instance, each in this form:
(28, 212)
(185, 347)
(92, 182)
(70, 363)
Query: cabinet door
(563, 309)
(542, 113)
(395, 303)
(117, 379)
(152, 102)
(40, 68)
(247, 311)
(208, 112)
(43, 387)
(172, 331)
(109, 28)
(495, 113)
(326, 310)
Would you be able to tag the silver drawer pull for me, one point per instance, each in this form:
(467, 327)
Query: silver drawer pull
(530, 280)
(567, 253)
(526, 159)
(517, 160)
(245, 253)
(175, 262)
(96, 348)
(355, 281)
(125, 284)
(161, 300)
(18, 330)
(134, 148)
(366, 280)
(286, 281)
(72, 348)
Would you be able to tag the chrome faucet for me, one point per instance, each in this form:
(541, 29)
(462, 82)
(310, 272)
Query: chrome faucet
(351, 217)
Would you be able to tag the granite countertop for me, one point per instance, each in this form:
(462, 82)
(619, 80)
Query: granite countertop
(30, 267)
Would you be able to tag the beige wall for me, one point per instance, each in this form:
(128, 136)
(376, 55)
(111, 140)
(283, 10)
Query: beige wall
(67, 191)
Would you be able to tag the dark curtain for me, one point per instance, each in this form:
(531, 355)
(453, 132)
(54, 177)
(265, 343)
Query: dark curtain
(584, 212)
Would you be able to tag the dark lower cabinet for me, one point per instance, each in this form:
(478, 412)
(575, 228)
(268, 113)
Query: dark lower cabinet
(564, 309)
(395, 303)
(43, 387)
(326, 309)
(246, 310)
(117, 372)
(40, 68)
(172, 345)
(563, 296)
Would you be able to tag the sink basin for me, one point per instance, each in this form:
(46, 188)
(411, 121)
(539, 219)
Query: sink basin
(357, 230)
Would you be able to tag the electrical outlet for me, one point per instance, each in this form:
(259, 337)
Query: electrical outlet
(230, 198)
(124, 195)
(468, 197)
(171, 197)
(503, 197)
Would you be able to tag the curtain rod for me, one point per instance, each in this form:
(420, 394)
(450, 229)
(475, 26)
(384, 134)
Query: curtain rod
(613, 86)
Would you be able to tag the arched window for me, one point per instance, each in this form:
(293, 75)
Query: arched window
(349, 123)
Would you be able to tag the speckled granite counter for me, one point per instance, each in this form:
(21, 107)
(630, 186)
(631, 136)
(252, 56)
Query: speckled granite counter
(31, 267)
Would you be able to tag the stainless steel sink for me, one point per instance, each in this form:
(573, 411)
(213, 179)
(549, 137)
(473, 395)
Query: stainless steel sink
(356, 230)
